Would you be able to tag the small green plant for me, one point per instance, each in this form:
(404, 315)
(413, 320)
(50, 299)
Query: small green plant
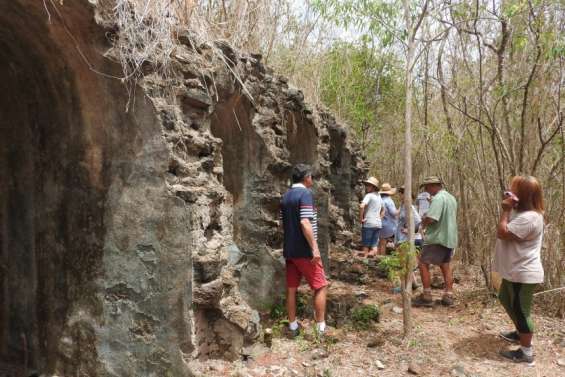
(327, 373)
(319, 339)
(303, 344)
(278, 328)
(392, 265)
(399, 262)
(363, 316)
(277, 311)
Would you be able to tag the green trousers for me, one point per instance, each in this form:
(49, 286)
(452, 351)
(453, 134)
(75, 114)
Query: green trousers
(517, 299)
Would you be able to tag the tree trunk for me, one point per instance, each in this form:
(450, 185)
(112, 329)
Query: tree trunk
(408, 254)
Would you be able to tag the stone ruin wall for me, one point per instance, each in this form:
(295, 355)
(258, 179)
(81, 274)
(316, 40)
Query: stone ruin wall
(151, 236)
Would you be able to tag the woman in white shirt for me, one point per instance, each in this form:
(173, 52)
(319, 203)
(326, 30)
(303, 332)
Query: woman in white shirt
(518, 260)
(371, 212)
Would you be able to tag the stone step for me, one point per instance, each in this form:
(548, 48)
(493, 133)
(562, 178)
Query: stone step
(350, 268)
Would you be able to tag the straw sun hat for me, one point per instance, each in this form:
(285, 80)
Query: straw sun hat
(387, 189)
(372, 181)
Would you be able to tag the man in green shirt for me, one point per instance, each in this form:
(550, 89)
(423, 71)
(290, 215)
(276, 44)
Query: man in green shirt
(440, 226)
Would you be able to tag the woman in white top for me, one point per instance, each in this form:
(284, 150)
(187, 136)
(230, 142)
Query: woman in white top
(518, 260)
(371, 213)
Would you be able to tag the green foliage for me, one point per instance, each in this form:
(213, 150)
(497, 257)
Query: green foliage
(519, 42)
(557, 51)
(363, 316)
(358, 84)
(399, 262)
(277, 311)
(462, 11)
(349, 82)
(513, 8)
(278, 327)
(376, 20)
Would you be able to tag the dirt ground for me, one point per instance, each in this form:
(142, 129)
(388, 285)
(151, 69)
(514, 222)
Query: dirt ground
(460, 341)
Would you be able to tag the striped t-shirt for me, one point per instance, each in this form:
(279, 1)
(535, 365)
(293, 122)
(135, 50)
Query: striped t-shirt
(297, 204)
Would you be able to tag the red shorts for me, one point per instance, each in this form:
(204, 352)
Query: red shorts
(314, 274)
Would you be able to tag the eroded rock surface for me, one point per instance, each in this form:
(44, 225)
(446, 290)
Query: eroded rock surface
(139, 240)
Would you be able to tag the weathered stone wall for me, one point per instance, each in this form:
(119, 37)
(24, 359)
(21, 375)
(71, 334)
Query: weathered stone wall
(96, 265)
(138, 241)
(234, 133)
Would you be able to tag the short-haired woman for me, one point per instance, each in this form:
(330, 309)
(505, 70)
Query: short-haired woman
(518, 260)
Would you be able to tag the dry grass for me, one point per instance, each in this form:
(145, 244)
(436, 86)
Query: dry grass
(146, 35)
(286, 36)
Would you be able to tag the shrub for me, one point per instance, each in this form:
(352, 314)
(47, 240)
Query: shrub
(363, 316)
(396, 264)
(277, 311)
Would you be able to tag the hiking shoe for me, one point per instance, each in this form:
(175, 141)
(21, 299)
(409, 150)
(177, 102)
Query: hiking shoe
(518, 356)
(424, 299)
(510, 336)
(447, 300)
(328, 336)
(292, 334)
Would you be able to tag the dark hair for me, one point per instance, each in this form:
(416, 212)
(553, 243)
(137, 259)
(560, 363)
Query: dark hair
(300, 172)
(401, 191)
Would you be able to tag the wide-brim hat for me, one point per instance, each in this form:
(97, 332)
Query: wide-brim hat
(387, 189)
(432, 180)
(372, 181)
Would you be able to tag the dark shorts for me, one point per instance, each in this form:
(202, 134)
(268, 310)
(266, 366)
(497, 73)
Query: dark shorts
(314, 274)
(370, 236)
(387, 231)
(435, 254)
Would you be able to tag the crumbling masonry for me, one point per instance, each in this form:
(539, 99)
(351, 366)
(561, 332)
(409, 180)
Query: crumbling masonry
(132, 242)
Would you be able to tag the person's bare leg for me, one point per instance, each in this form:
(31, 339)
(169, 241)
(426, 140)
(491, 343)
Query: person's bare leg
(447, 277)
(320, 304)
(425, 275)
(415, 284)
(382, 247)
(374, 251)
(526, 339)
(365, 251)
(291, 304)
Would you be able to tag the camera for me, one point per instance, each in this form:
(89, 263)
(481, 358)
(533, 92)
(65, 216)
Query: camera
(511, 195)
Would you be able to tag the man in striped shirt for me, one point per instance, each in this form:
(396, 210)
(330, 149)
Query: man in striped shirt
(300, 250)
